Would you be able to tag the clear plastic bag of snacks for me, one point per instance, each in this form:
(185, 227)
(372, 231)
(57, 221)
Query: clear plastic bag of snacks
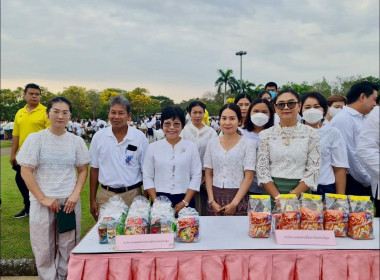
(311, 212)
(162, 216)
(188, 225)
(361, 217)
(137, 221)
(259, 215)
(335, 216)
(115, 208)
(287, 212)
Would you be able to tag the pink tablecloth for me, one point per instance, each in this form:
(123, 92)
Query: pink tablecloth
(239, 264)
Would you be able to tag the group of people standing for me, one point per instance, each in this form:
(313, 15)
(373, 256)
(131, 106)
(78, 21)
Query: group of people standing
(279, 143)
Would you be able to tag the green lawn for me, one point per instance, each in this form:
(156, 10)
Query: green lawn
(5, 144)
(15, 242)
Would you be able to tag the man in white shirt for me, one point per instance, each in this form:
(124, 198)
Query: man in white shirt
(117, 153)
(361, 99)
(70, 127)
(368, 151)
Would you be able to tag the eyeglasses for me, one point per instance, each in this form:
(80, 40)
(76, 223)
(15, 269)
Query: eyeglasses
(175, 125)
(57, 113)
(290, 105)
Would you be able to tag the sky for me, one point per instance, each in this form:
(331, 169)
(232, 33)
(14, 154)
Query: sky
(174, 48)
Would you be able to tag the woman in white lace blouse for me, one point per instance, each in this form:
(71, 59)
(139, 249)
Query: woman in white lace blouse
(200, 134)
(334, 159)
(229, 166)
(49, 160)
(288, 155)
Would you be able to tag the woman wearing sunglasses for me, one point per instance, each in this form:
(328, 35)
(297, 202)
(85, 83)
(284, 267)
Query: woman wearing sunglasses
(288, 154)
(334, 159)
(172, 166)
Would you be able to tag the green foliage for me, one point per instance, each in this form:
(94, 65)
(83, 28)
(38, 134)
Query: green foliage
(164, 101)
(11, 102)
(78, 100)
(226, 80)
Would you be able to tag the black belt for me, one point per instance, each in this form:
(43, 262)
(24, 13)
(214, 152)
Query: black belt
(122, 189)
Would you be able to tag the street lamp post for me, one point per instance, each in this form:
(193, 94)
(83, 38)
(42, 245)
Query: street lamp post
(241, 53)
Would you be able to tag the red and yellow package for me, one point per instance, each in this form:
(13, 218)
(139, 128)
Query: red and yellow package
(290, 214)
(336, 214)
(360, 220)
(290, 220)
(260, 218)
(311, 212)
(188, 225)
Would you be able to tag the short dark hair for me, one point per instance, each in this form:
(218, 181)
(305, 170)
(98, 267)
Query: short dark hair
(196, 103)
(172, 113)
(321, 100)
(121, 100)
(241, 96)
(357, 89)
(31, 85)
(58, 99)
(271, 84)
(261, 93)
(336, 98)
(249, 124)
(378, 99)
(234, 108)
(285, 91)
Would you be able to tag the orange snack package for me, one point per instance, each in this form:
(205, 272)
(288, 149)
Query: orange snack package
(311, 212)
(288, 205)
(336, 214)
(360, 220)
(260, 218)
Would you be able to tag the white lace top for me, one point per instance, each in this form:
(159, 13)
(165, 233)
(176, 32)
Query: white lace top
(54, 159)
(229, 166)
(199, 137)
(300, 159)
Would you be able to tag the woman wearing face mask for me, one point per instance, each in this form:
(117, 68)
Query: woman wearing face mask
(265, 95)
(243, 101)
(334, 160)
(229, 166)
(335, 105)
(288, 155)
(261, 117)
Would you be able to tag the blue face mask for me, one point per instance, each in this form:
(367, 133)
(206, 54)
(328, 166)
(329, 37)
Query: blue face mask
(272, 94)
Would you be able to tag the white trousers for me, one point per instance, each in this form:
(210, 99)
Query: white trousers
(51, 262)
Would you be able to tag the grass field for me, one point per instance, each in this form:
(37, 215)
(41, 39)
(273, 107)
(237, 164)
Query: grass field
(15, 242)
(6, 144)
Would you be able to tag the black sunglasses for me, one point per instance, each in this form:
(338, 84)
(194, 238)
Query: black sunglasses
(290, 105)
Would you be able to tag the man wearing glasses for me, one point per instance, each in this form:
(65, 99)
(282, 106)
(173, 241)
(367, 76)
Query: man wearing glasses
(29, 119)
(117, 153)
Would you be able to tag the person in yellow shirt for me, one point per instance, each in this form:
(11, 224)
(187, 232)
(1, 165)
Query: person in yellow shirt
(206, 119)
(29, 119)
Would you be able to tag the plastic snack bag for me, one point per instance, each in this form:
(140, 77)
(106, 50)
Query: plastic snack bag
(361, 216)
(162, 216)
(311, 212)
(188, 225)
(115, 207)
(288, 206)
(336, 213)
(137, 221)
(259, 214)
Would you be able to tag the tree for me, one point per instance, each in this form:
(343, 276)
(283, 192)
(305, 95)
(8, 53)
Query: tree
(164, 101)
(139, 101)
(299, 88)
(11, 102)
(46, 96)
(94, 101)
(247, 88)
(322, 87)
(78, 100)
(225, 79)
(343, 84)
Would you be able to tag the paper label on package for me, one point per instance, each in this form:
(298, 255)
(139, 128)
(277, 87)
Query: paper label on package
(305, 237)
(144, 242)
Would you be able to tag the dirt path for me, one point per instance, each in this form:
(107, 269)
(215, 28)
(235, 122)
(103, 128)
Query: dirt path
(6, 151)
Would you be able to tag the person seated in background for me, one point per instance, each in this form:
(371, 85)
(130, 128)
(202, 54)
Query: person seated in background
(335, 105)
(334, 161)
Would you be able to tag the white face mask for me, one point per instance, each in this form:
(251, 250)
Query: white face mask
(312, 115)
(259, 119)
(334, 111)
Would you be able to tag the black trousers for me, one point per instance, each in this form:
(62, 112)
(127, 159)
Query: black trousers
(353, 187)
(22, 187)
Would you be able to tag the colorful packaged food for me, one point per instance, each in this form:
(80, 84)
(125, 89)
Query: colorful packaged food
(260, 218)
(162, 216)
(335, 216)
(288, 206)
(137, 221)
(361, 216)
(102, 232)
(311, 212)
(188, 225)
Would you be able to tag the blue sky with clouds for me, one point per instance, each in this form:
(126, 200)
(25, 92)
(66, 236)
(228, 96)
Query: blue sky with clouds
(174, 48)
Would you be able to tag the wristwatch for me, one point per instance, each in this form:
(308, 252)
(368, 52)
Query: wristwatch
(185, 202)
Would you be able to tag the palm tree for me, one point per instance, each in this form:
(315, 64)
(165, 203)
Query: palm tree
(225, 79)
(247, 87)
